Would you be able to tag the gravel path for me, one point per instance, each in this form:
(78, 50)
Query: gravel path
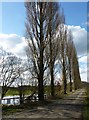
(68, 108)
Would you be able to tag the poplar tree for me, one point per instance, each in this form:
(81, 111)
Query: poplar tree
(75, 70)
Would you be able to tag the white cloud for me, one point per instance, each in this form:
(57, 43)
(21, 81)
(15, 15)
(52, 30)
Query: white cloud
(13, 43)
(16, 44)
(83, 68)
(83, 59)
(84, 77)
(80, 39)
(83, 72)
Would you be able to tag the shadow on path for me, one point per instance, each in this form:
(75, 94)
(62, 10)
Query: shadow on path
(68, 108)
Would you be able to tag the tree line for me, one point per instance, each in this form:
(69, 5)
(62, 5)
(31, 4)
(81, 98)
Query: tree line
(50, 43)
(50, 48)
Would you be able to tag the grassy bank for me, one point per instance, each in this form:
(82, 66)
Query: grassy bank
(27, 90)
(86, 108)
(8, 110)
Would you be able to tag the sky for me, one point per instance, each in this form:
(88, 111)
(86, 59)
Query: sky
(75, 13)
(13, 17)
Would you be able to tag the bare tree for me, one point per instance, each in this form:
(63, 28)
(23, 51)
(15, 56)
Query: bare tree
(8, 70)
(69, 60)
(70, 56)
(75, 70)
(54, 21)
(63, 54)
(36, 35)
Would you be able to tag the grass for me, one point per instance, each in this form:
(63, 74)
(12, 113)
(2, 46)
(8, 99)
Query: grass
(9, 110)
(14, 91)
(29, 90)
(86, 108)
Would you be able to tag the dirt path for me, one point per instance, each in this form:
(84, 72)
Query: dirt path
(70, 107)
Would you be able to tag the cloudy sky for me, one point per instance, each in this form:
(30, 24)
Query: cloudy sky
(13, 29)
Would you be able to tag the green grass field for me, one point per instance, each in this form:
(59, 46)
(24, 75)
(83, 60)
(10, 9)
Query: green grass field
(15, 91)
(27, 90)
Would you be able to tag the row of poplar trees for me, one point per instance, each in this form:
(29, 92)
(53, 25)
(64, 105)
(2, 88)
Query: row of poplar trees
(50, 43)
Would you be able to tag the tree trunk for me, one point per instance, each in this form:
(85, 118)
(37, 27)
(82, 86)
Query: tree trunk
(64, 78)
(70, 75)
(21, 95)
(51, 69)
(52, 82)
(41, 68)
(40, 88)
(76, 74)
(70, 84)
(4, 91)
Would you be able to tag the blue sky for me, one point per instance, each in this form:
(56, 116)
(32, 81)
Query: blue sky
(75, 13)
(0, 16)
(13, 16)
